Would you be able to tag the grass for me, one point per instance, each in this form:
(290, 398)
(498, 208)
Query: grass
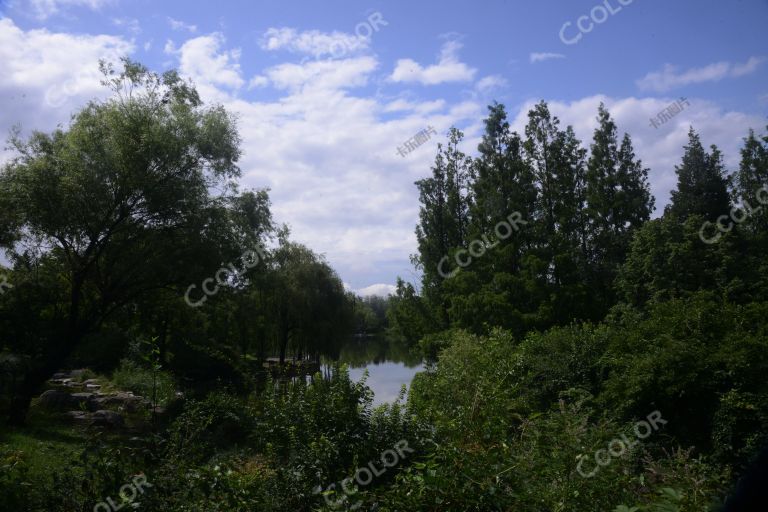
(45, 446)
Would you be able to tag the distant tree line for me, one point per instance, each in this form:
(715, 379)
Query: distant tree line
(588, 242)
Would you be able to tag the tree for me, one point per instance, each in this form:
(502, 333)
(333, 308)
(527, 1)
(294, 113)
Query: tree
(748, 181)
(618, 202)
(558, 259)
(701, 183)
(750, 192)
(443, 217)
(119, 202)
(409, 315)
(668, 260)
(309, 309)
(503, 184)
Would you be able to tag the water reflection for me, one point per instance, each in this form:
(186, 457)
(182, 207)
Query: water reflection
(389, 363)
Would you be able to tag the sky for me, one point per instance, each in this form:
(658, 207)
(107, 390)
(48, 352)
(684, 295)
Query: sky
(327, 92)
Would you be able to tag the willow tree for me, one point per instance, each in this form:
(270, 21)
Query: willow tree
(119, 203)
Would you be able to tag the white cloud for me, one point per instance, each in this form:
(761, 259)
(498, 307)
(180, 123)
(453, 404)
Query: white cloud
(671, 78)
(258, 81)
(327, 148)
(490, 82)
(329, 157)
(44, 9)
(541, 57)
(448, 68)
(660, 149)
(130, 24)
(324, 74)
(180, 25)
(203, 60)
(748, 67)
(380, 289)
(424, 107)
(49, 74)
(313, 42)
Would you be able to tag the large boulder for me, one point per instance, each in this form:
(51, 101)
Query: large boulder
(109, 419)
(54, 399)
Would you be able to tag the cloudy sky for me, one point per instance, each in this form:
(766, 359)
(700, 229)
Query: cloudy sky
(327, 91)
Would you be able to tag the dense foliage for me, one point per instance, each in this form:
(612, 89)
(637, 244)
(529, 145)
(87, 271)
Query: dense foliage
(556, 317)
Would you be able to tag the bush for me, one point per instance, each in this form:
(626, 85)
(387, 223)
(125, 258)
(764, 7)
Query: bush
(220, 422)
(143, 381)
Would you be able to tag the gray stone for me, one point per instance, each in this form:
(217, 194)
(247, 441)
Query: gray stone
(122, 400)
(78, 415)
(54, 399)
(104, 418)
(87, 399)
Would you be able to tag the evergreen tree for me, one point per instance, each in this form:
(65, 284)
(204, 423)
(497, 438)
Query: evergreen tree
(749, 179)
(750, 191)
(504, 184)
(618, 202)
(443, 217)
(701, 183)
(558, 257)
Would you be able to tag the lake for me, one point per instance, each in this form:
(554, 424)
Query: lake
(389, 365)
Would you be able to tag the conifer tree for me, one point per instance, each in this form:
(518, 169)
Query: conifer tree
(618, 202)
(701, 183)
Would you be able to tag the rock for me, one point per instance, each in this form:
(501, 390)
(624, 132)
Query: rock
(60, 382)
(104, 418)
(93, 387)
(91, 381)
(122, 400)
(78, 415)
(54, 399)
(88, 399)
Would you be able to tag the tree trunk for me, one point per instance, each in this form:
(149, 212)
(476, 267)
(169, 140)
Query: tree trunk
(283, 344)
(36, 377)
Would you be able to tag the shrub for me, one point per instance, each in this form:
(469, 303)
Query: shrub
(141, 380)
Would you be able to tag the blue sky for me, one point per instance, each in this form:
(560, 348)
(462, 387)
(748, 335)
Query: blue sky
(327, 91)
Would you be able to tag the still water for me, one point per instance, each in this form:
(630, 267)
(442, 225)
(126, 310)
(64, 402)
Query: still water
(389, 365)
